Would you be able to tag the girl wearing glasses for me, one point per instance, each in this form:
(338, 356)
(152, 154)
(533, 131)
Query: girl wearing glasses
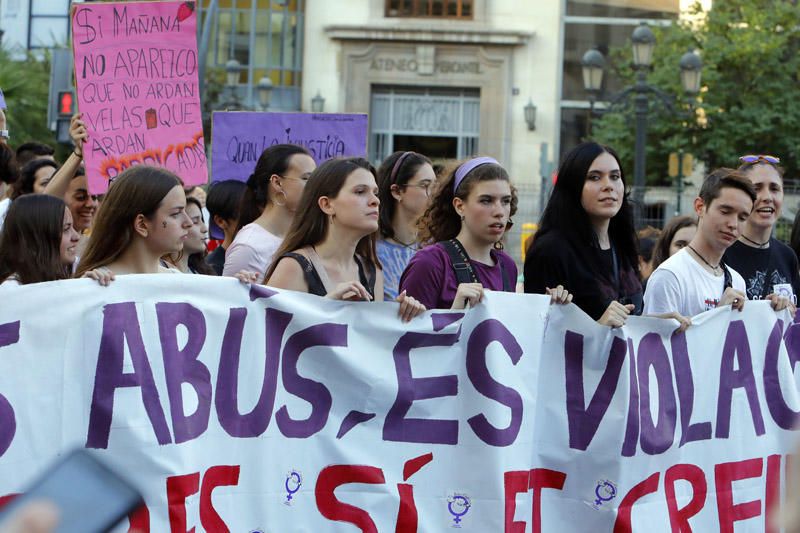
(767, 265)
(405, 180)
(464, 224)
(330, 250)
(268, 206)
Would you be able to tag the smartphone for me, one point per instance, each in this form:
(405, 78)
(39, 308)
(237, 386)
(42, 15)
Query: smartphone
(90, 497)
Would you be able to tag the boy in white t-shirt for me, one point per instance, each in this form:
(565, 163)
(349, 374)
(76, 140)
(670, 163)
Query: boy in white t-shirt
(695, 280)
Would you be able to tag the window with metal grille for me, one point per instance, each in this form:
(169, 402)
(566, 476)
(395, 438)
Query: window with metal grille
(451, 9)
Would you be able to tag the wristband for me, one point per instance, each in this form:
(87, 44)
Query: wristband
(79, 156)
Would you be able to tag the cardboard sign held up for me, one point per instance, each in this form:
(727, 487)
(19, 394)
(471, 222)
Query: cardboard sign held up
(238, 138)
(136, 70)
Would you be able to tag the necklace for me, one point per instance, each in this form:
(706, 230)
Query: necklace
(759, 244)
(410, 245)
(703, 259)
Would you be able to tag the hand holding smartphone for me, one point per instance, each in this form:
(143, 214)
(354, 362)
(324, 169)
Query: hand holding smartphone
(88, 495)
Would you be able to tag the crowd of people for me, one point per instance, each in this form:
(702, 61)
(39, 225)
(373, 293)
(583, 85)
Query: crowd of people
(403, 232)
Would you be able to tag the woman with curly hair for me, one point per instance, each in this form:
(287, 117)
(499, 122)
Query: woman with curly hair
(463, 226)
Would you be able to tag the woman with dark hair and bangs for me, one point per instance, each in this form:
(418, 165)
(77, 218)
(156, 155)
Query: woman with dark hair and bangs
(267, 208)
(192, 259)
(405, 181)
(463, 227)
(330, 250)
(586, 239)
(142, 219)
(37, 242)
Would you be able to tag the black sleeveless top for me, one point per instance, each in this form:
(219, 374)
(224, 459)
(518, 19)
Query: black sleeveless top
(315, 285)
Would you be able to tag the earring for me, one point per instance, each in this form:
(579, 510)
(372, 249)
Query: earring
(332, 218)
(463, 218)
(284, 200)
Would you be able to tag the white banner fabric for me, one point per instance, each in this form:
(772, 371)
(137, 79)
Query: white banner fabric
(244, 409)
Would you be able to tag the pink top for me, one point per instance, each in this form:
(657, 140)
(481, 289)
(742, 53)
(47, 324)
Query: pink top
(251, 250)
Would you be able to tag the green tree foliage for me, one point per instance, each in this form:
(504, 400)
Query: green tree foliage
(750, 100)
(25, 85)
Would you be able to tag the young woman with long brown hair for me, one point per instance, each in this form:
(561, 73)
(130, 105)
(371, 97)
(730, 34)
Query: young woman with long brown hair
(192, 259)
(330, 250)
(143, 217)
(37, 242)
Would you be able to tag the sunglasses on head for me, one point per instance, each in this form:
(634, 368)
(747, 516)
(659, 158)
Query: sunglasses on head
(771, 159)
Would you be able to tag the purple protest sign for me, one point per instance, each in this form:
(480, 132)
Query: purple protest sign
(238, 138)
(2, 100)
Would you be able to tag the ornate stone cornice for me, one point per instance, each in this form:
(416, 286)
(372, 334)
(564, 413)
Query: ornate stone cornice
(456, 34)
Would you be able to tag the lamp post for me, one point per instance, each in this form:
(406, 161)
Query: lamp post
(264, 92)
(593, 65)
(231, 81)
(317, 103)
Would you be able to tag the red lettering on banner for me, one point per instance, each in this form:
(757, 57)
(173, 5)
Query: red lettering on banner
(407, 518)
(522, 481)
(112, 166)
(679, 518)
(216, 476)
(139, 520)
(773, 492)
(623, 521)
(178, 489)
(329, 505)
(724, 476)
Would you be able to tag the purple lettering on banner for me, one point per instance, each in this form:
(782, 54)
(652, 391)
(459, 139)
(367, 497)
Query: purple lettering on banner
(121, 324)
(781, 413)
(685, 383)
(482, 336)
(9, 334)
(583, 421)
(631, 440)
(397, 427)
(655, 438)
(256, 421)
(181, 366)
(309, 390)
(736, 348)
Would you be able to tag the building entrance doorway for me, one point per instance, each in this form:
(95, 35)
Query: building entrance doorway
(438, 123)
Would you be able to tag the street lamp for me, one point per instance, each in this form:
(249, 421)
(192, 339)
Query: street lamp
(317, 104)
(530, 115)
(264, 92)
(232, 80)
(691, 67)
(643, 41)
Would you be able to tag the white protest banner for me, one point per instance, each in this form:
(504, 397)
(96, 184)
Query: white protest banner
(244, 409)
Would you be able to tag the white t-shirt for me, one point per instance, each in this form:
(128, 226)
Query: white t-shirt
(5, 203)
(682, 284)
(251, 250)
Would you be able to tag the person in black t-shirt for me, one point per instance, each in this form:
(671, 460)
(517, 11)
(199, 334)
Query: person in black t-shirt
(222, 203)
(767, 265)
(586, 239)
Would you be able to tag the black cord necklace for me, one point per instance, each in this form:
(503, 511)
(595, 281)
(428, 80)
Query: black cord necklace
(703, 259)
(759, 244)
(411, 245)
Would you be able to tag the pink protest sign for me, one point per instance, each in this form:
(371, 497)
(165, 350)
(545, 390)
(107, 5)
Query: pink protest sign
(136, 75)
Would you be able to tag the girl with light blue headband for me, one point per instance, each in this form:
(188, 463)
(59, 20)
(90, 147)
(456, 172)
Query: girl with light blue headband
(462, 228)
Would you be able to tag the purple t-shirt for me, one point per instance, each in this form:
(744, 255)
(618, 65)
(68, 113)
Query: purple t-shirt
(429, 276)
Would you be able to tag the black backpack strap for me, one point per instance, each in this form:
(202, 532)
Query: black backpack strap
(460, 261)
(506, 283)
